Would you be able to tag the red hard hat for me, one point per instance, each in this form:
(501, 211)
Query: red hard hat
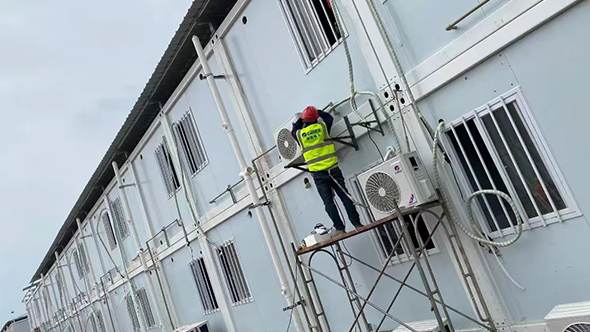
(310, 113)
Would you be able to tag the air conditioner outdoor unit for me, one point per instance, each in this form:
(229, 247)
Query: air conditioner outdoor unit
(424, 326)
(197, 327)
(402, 179)
(572, 317)
(287, 146)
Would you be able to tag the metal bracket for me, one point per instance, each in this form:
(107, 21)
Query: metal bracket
(253, 206)
(294, 305)
(204, 77)
(126, 185)
(229, 189)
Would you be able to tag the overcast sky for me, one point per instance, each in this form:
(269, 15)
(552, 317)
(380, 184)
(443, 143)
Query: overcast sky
(70, 72)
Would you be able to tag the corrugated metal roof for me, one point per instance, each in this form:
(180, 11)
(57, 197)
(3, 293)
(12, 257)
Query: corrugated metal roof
(174, 64)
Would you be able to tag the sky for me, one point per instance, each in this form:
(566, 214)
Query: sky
(70, 72)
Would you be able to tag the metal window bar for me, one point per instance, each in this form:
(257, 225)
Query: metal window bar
(132, 313)
(146, 308)
(476, 180)
(332, 28)
(204, 287)
(485, 167)
(101, 323)
(189, 158)
(170, 166)
(120, 217)
(299, 27)
(296, 37)
(159, 155)
(106, 222)
(78, 263)
(93, 325)
(516, 166)
(196, 140)
(191, 138)
(499, 165)
(531, 161)
(225, 268)
(310, 22)
(235, 270)
(240, 271)
(317, 27)
(84, 259)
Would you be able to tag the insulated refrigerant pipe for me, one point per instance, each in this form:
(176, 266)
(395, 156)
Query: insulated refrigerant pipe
(246, 174)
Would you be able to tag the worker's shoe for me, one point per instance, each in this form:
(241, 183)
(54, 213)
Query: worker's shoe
(357, 226)
(338, 232)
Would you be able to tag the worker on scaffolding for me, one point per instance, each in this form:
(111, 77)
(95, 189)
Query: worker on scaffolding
(312, 132)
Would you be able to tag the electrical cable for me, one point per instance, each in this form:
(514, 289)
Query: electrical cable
(471, 218)
(375, 143)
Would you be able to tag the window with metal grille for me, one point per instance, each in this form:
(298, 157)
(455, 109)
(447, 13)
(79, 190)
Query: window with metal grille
(233, 273)
(146, 308)
(108, 228)
(385, 237)
(132, 312)
(120, 218)
(167, 171)
(188, 138)
(313, 27)
(100, 322)
(498, 146)
(204, 287)
(80, 261)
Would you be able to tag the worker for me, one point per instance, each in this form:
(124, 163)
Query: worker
(312, 132)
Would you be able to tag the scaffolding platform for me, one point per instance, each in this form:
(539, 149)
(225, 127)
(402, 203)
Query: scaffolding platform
(367, 228)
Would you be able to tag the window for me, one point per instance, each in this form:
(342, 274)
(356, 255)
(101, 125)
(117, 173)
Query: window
(106, 223)
(204, 287)
(233, 273)
(80, 261)
(132, 312)
(145, 308)
(385, 237)
(313, 27)
(499, 147)
(120, 218)
(188, 138)
(96, 322)
(167, 170)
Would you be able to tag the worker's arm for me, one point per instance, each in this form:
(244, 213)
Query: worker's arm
(297, 125)
(328, 119)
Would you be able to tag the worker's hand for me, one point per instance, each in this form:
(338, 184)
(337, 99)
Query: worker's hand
(298, 115)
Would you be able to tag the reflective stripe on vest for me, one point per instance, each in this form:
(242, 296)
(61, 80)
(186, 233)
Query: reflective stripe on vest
(319, 153)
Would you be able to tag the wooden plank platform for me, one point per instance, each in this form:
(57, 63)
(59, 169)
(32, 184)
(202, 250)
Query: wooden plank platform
(366, 228)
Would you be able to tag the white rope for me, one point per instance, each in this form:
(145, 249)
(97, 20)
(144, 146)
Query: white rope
(480, 237)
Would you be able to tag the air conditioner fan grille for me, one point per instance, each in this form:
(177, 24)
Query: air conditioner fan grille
(286, 144)
(578, 327)
(382, 191)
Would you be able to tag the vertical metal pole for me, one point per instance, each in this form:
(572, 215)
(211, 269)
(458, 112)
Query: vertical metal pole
(246, 174)
(65, 287)
(140, 249)
(114, 323)
(165, 286)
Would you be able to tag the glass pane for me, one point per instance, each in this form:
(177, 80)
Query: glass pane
(526, 137)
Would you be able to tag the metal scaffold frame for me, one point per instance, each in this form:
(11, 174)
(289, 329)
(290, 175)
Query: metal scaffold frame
(431, 291)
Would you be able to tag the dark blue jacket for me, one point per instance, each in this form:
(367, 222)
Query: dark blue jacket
(328, 120)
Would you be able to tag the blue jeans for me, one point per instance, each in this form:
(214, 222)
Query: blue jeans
(326, 188)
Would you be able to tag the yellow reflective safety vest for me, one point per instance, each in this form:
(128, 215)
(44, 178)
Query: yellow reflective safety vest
(318, 151)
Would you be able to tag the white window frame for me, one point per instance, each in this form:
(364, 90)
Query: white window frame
(513, 96)
(367, 218)
(314, 32)
(243, 293)
(190, 143)
(207, 296)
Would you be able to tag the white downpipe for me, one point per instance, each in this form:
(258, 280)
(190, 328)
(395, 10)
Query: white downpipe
(216, 277)
(114, 322)
(91, 266)
(134, 300)
(135, 235)
(246, 174)
(150, 227)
